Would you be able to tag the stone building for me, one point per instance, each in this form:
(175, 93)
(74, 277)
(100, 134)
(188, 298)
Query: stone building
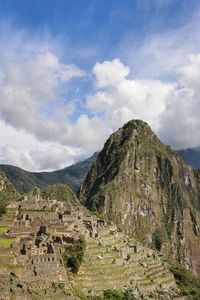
(41, 258)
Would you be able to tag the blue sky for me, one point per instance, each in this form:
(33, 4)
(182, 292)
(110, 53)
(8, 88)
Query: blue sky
(98, 26)
(72, 72)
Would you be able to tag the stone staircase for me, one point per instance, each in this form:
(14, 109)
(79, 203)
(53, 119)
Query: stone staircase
(111, 263)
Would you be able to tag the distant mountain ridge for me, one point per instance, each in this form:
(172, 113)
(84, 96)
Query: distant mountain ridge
(25, 181)
(73, 175)
(191, 156)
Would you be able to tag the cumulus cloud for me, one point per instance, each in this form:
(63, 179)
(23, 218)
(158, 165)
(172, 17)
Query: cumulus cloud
(54, 157)
(27, 92)
(172, 109)
(124, 99)
(43, 128)
(14, 156)
(22, 149)
(109, 73)
(45, 158)
(180, 122)
(27, 87)
(37, 130)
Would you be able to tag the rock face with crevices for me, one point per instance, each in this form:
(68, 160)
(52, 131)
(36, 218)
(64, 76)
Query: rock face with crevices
(148, 191)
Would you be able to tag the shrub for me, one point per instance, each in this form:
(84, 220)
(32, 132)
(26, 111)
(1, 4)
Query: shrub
(73, 254)
(187, 282)
(158, 238)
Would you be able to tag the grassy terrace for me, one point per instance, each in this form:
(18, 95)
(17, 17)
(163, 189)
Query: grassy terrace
(5, 242)
(102, 269)
(3, 229)
(6, 220)
(6, 257)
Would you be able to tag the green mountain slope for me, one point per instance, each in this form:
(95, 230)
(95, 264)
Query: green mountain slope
(25, 181)
(148, 191)
(60, 192)
(7, 193)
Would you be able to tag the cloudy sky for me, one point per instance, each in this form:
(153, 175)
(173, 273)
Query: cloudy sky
(72, 72)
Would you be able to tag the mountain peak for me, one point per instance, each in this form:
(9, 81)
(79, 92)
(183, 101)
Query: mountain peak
(136, 131)
(136, 123)
(147, 190)
(136, 126)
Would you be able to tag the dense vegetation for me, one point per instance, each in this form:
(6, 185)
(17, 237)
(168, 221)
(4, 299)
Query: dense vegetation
(25, 181)
(159, 236)
(187, 282)
(74, 253)
(60, 192)
(7, 195)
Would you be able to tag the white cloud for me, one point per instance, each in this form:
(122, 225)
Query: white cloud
(109, 73)
(180, 124)
(45, 158)
(172, 109)
(27, 87)
(36, 128)
(14, 156)
(126, 99)
(53, 158)
(22, 149)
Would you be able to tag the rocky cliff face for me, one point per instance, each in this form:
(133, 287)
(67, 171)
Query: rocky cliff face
(149, 192)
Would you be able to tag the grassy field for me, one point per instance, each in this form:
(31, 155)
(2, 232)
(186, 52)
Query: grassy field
(5, 242)
(10, 266)
(3, 229)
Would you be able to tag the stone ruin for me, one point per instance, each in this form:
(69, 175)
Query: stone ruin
(60, 217)
(40, 229)
(41, 260)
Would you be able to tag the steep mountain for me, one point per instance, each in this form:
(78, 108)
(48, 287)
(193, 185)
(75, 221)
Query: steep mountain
(149, 192)
(191, 156)
(25, 181)
(7, 193)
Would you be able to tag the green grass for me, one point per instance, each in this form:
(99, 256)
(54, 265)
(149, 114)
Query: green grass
(3, 229)
(10, 266)
(6, 255)
(6, 242)
(79, 293)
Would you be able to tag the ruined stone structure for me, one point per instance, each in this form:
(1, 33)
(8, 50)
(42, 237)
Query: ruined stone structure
(39, 237)
(41, 227)
(58, 216)
(40, 256)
